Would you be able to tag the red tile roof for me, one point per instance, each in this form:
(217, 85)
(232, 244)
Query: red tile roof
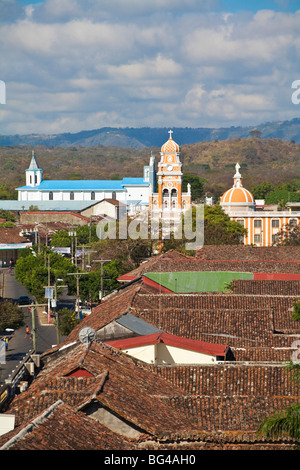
(171, 340)
(170, 261)
(61, 427)
(121, 384)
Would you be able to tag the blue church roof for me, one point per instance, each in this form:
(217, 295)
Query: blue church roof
(85, 185)
(133, 181)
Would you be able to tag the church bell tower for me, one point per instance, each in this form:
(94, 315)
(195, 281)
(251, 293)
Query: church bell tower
(34, 174)
(170, 202)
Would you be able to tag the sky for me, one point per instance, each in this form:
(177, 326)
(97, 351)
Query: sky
(72, 65)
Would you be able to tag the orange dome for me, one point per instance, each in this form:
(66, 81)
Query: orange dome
(170, 146)
(238, 195)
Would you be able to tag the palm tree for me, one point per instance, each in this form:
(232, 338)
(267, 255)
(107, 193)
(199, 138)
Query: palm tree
(285, 423)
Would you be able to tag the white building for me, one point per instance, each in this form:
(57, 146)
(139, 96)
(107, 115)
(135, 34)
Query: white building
(130, 191)
(164, 349)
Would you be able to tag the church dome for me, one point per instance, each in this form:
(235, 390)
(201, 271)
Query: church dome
(237, 196)
(170, 146)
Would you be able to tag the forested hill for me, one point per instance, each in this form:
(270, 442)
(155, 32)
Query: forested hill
(154, 137)
(261, 160)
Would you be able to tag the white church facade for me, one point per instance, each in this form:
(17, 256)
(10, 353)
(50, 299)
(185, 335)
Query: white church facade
(130, 191)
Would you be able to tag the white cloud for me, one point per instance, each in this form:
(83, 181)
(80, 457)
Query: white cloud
(67, 69)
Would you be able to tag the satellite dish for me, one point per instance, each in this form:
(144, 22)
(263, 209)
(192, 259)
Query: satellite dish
(86, 335)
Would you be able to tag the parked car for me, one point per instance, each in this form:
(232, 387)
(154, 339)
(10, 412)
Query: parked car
(24, 300)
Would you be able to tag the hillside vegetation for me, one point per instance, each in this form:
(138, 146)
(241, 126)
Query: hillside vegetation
(261, 160)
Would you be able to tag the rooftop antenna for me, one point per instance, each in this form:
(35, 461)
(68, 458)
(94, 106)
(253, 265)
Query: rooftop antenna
(86, 335)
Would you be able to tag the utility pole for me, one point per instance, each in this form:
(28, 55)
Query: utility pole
(33, 326)
(32, 309)
(73, 234)
(56, 313)
(85, 252)
(77, 286)
(49, 286)
(102, 261)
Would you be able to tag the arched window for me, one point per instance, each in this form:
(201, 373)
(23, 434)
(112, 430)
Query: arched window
(93, 195)
(71, 196)
(50, 196)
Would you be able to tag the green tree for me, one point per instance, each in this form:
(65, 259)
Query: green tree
(31, 271)
(67, 321)
(7, 215)
(196, 185)
(7, 193)
(10, 316)
(283, 423)
(296, 311)
(282, 195)
(261, 190)
(61, 239)
(219, 229)
(86, 234)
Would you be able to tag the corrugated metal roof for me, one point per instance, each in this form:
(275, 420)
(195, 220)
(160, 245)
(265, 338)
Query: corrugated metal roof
(15, 205)
(137, 325)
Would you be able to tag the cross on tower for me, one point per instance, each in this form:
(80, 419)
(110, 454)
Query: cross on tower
(170, 132)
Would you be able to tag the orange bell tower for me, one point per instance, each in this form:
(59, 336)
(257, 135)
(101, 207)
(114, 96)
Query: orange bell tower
(170, 202)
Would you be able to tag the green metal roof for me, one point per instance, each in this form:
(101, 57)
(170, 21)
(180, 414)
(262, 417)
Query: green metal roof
(196, 281)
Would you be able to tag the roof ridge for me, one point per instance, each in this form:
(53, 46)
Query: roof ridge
(34, 423)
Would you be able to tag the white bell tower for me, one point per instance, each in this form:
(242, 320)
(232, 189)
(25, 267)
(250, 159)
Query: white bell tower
(34, 174)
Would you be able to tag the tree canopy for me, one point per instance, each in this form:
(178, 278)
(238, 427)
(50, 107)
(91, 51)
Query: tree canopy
(10, 315)
(219, 229)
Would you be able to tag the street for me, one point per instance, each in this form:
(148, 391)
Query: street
(19, 345)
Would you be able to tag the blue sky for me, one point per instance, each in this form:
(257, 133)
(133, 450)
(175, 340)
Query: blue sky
(70, 65)
(234, 5)
(255, 5)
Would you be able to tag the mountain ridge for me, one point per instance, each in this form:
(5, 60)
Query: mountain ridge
(145, 137)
